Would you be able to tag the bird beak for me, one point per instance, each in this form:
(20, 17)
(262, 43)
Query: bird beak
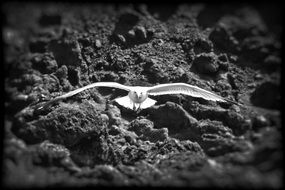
(138, 96)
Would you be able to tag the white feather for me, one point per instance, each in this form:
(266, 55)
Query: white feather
(161, 89)
(147, 103)
(186, 89)
(125, 101)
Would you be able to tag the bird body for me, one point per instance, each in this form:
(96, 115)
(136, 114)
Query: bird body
(137, 97)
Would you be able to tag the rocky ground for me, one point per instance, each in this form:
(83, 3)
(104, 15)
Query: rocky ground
(88, 139)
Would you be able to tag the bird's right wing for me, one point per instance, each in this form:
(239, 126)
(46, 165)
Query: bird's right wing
(186, 89)
(97, 84)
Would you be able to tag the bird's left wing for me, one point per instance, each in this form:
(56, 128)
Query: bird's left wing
(96, 84)
(186, 89)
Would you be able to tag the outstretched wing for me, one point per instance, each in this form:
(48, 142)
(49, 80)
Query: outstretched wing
(186, 89)
(97, 84)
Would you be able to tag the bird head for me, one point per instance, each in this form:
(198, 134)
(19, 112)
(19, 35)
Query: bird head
(138, 95)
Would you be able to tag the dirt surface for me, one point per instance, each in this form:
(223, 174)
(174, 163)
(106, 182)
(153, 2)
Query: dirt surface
(88, 139)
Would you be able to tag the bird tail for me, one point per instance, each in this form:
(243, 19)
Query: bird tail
(125, 102)
(147, 103)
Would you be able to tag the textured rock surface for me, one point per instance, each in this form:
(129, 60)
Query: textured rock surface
(88, 139)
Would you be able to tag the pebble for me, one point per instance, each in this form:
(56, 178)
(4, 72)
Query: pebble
(131, 34)
(121, 38)
(141, 32)
(98, 43)
(105, 117)
(260, 121)
(258, 76)
(206, 63)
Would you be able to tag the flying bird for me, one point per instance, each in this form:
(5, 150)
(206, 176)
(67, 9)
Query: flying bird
(137, 97)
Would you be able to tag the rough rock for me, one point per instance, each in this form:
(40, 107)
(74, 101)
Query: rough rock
(268, 91)
(60, 126)
(144, 129)
(172, 116)
(90, 140)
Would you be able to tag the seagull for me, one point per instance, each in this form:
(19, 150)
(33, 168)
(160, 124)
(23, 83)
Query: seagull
(137, 97)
